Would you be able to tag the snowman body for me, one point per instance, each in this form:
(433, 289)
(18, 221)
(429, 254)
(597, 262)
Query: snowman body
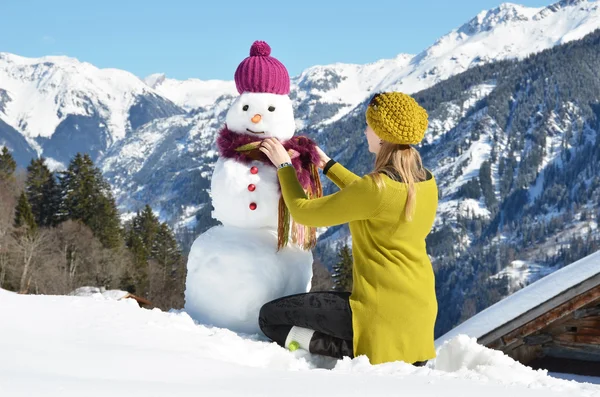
(245, 195)
(233, 271)
(235, 268)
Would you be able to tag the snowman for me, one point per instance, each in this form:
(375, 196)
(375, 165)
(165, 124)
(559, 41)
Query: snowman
(249, 260)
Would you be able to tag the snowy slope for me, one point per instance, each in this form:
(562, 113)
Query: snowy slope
(506, 32)
(43, 91)
(526, 299)
(191, 93)
(167, 162)
(93, 346)
(324, 94)
(59, 103)
(21, 150)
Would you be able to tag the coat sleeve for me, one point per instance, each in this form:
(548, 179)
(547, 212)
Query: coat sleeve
(358, 200)
(340, 175)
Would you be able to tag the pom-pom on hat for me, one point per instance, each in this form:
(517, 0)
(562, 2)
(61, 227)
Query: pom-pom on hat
(397, 118)
(260, 72)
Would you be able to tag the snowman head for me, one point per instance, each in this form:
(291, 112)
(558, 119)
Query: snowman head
(264, 108)
(263, 115)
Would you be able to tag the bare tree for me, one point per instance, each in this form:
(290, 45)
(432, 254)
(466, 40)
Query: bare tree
(86, 261)
(72, 258)
(7, 205)
(77, 244)
(321, 280)
(50, 277)
(109, 266)
(25, 247)
(4, 263)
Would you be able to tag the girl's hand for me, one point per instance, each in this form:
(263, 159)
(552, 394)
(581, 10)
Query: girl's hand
(275, 151)
(324, 158)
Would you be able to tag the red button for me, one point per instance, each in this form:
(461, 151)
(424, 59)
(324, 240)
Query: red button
(252, 187)
(254, 170)
(252, 206)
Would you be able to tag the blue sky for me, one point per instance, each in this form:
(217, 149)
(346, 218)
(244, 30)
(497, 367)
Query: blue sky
(208, 39)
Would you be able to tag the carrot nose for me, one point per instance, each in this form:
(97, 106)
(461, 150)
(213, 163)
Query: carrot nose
(256, 119)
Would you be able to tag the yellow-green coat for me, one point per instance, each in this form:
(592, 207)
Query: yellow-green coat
(393, 297)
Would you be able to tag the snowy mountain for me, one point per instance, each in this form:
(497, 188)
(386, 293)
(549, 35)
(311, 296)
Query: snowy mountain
(506, 32)
(167, 162)
(192, 93)
(323, 95)
(21, 149)
(62, 106)
(97, 346)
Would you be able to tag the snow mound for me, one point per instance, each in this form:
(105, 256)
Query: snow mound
(464, 357)
(72, 346)
(101, 293)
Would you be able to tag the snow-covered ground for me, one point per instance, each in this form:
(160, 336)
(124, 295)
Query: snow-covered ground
(96, 346)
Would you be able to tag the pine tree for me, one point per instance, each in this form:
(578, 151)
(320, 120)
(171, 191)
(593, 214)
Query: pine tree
(147, 227)
(23, 216)
(133, 240)
(342, 271)
(144, 226)
(8, 164)
(167, 272)
(106, 221)
(43, 193)
(166, 252)
(139, 278)
(87, 197)
(79, 189)
(141, 236)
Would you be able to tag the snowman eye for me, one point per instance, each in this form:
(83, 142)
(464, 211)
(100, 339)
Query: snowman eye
(271, 108)
(245, 108)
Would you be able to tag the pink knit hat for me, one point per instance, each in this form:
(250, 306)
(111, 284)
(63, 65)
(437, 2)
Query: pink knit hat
(260, 72)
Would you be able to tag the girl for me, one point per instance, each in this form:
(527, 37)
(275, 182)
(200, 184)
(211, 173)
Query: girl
(390, 314)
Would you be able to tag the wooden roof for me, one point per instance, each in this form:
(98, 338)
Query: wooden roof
(569, 301)
(564, 338)
(531, 302)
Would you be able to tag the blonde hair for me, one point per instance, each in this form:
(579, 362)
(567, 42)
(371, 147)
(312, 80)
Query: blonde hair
(404, 161)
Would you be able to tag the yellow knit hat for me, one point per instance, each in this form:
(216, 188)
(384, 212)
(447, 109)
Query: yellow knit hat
(397, 118)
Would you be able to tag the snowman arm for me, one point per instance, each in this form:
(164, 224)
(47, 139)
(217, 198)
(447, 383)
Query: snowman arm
(359, 200)
(340, 175)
